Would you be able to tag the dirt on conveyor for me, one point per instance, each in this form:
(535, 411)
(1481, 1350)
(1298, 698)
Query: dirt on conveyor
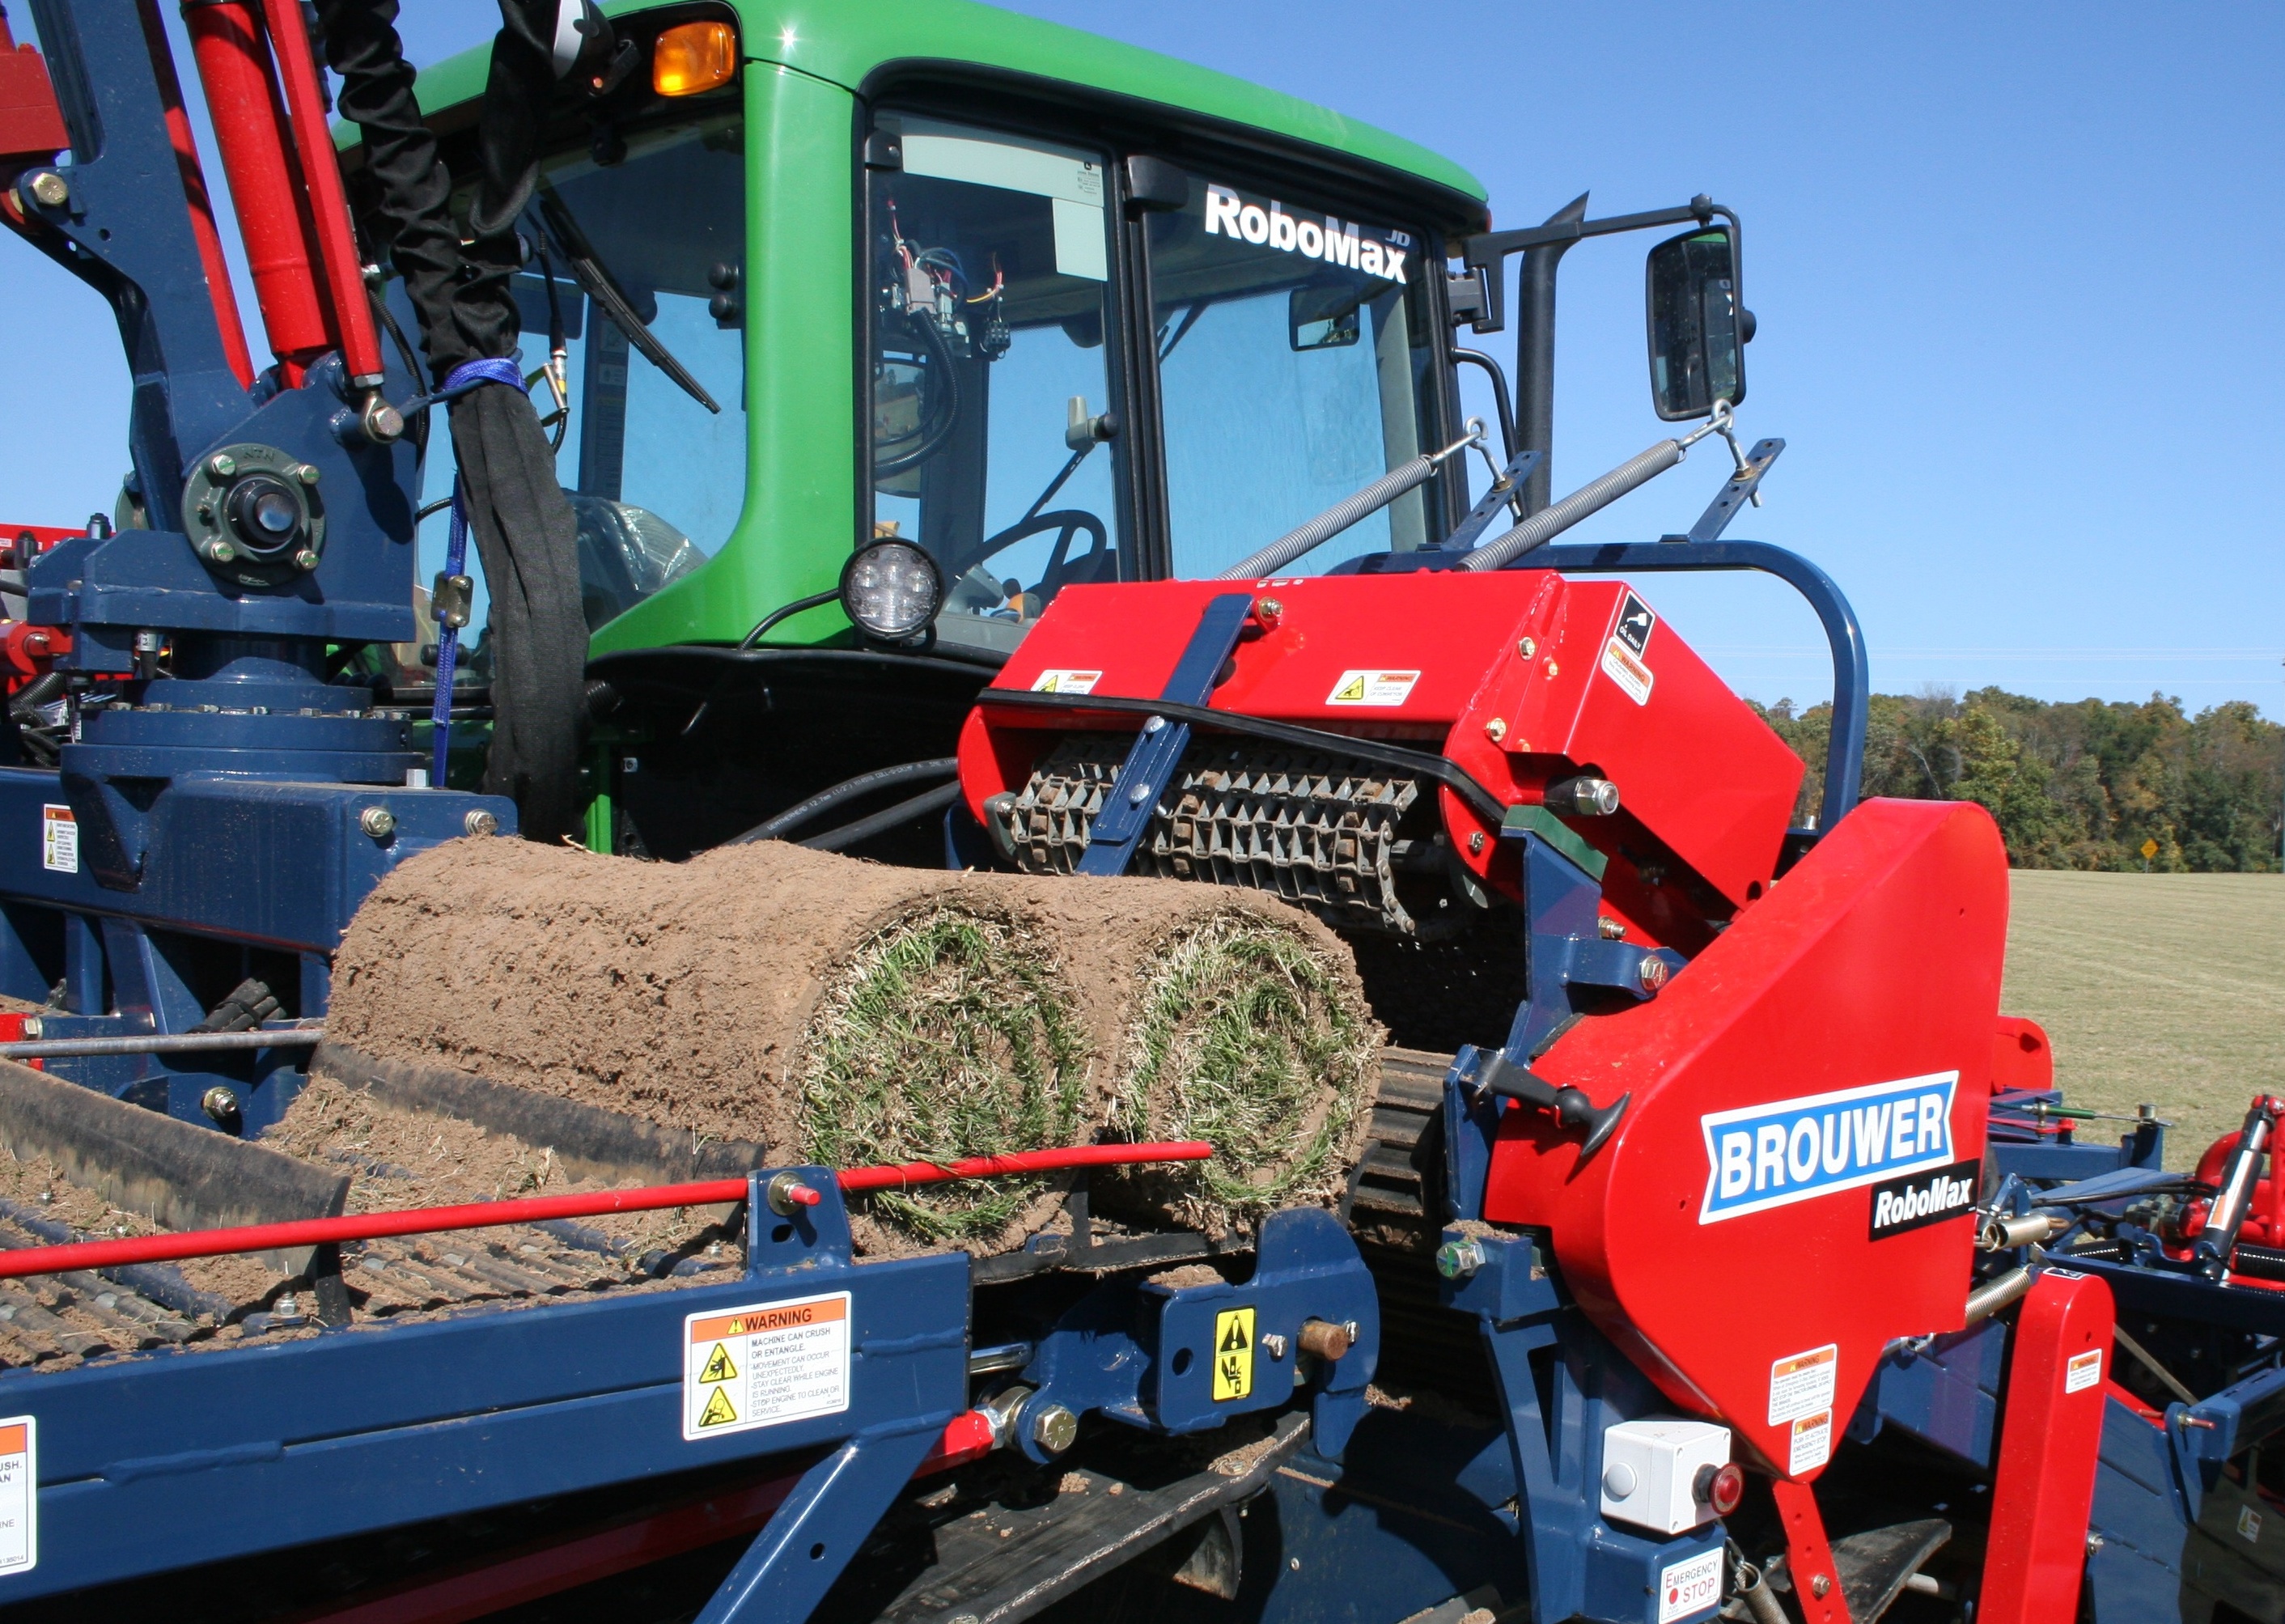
(846, 1013)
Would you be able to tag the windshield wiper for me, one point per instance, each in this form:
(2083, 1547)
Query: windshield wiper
(595, 280)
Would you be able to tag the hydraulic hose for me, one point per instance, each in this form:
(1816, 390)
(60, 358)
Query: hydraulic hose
(889, 817)
(793, 817)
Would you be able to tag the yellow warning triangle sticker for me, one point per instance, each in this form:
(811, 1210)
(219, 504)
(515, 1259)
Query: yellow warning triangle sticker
(718, 1368)
(718, 1410)
(1354, 688)
(1048, 686)
(1235, 1337)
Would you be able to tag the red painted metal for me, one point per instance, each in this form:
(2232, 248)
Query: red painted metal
(487, 1215)
(267, 190)
(969, 1436)
(1876, 960)
(199, 202)
(2050, 1445)
(31, 124)
(2023, 1059)
(1708, 788)
(329, 209)
(1809, 1555)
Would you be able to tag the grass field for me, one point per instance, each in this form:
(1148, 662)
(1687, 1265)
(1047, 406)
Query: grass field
(2168, 988)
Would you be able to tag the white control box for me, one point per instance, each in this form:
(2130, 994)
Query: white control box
(1651, 1471)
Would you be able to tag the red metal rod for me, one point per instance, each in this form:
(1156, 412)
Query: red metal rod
(201, 203)
(529, 1209)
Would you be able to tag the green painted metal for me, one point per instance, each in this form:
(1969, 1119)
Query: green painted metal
(804, 65)
(1559, 835)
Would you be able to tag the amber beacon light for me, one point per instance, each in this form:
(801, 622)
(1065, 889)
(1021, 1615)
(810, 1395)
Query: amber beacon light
(692, 57)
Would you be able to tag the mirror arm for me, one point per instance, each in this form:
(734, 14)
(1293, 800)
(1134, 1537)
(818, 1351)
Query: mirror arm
(1742, 486)
(1500, 403)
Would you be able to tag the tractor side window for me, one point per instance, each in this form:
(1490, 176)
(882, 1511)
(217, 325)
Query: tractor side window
(637, 265)
(1295, 367)
(987, 295)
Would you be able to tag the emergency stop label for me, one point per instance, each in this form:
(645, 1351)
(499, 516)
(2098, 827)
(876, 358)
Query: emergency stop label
(58, 839)
(1760, 1157)
(20, 1501)
(761, 1366)
(1690, 1587)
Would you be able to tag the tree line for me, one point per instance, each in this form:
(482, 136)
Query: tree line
(2083, 785)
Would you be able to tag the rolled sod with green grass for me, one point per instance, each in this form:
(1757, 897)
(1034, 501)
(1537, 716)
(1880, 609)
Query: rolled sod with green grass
(845, 1014)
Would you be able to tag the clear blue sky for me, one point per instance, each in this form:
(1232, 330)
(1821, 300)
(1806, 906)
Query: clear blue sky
(2016, 268)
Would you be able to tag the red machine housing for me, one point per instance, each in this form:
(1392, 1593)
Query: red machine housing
(1512, 675)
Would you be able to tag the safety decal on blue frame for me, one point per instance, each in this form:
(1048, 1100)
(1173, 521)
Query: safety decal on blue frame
(1759, 1157)
(20, 1498)
(764, 1364)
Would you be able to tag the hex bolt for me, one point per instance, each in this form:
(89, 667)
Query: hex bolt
(51, 190)
(787, 1194)
(222, 465)
(480, 822)
(221, 552)
(1476, 844)
(1155, 724)
(1053, 1428)
(1138, 795)
(378, 821)
(1820, 1586)
(1269, 611)
(1610, 930)
(1651, 973)
(220, 1103)
(1326, 1340)
(305, 559)
(1526, 648)
(1273, 1344)
(1458, 1260)
(307, 474)
(1496, 729)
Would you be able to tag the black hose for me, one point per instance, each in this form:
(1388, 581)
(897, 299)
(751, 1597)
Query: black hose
(849, 789)
(881, 822)
(786, 611)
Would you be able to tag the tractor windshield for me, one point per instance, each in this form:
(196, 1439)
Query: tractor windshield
(1294, 367)
(988, 287)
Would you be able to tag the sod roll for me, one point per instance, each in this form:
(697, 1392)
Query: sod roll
(846, 1013)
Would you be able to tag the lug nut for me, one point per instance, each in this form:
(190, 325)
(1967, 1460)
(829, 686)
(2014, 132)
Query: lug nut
(220, 1103)
(1327, 1340)
(222, 465)
(1053, 1428)
(1651, 973)
(378, 821)
(1458, 1260)
(51, 189)
(480, 822)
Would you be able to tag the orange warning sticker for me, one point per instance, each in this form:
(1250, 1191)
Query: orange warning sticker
(20, 1502)
(764, 1365)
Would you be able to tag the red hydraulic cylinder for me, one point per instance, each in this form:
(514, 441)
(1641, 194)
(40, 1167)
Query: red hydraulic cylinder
(329, 207)
(2048, 1452)
(198, 200)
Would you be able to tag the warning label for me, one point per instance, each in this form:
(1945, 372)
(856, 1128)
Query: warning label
(764, 1365)
(1803, 1383)
(1812, 1443)
(1690, 1587)
(1061, 681)
(19, 1504)
(2083, 1370)
(58, 839)
(1233, 1367)
(1632, 676)
(1372, 689)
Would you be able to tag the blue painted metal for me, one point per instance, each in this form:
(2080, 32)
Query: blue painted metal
(1129, 806)
(1735, 492)
(1945, 1393)
(1497, 495)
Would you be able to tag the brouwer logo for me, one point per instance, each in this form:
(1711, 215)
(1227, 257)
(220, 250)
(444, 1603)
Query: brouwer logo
(1760, 1157)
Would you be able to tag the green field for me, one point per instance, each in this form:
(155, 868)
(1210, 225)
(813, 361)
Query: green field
(2168, 987)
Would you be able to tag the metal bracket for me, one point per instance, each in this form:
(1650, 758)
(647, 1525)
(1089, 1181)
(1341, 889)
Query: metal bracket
(1131, 800)
(1742, 487)
(1502, 492)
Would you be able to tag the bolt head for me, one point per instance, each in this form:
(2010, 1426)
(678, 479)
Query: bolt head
(1526, 648)
(305, 559)
(51, 189)
(1820, 1586)
(1496, 729)
(1053, 1428)
(1269, 611)
(480, 822)
(1476, 844)
(221, 552)
(220, 1103)
(1138, 795)
(307, 474)
(1458, 1260)
(222, 465)
(378, 821)
(1610, 930)
(1651, 973)
(1553, 669)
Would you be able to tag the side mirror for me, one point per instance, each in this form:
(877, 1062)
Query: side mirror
(1324, 316)
(1697, 326)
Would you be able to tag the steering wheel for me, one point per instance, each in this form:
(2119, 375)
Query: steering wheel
(1060, 569)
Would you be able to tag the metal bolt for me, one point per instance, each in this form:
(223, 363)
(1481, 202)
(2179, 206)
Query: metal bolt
(1476, 844)
(1552, 668)
(1155, 724)
(1820, 1586)
(480, 822)
(1458, 1260)
(307, 474)
(2094, 1543)
(222, 465)
(1267, 611)
(1273, 1344)
(32, 1027)
(1526, 647)
(786, 1193)
(1651, 972)
(289, 1307)
(51, 189)
(305, 559)
(220, 1103)
(1138, 795)
(1053, 1428)
(1610, 930)
(1496, 729)
(378, 821)
(221, 552)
